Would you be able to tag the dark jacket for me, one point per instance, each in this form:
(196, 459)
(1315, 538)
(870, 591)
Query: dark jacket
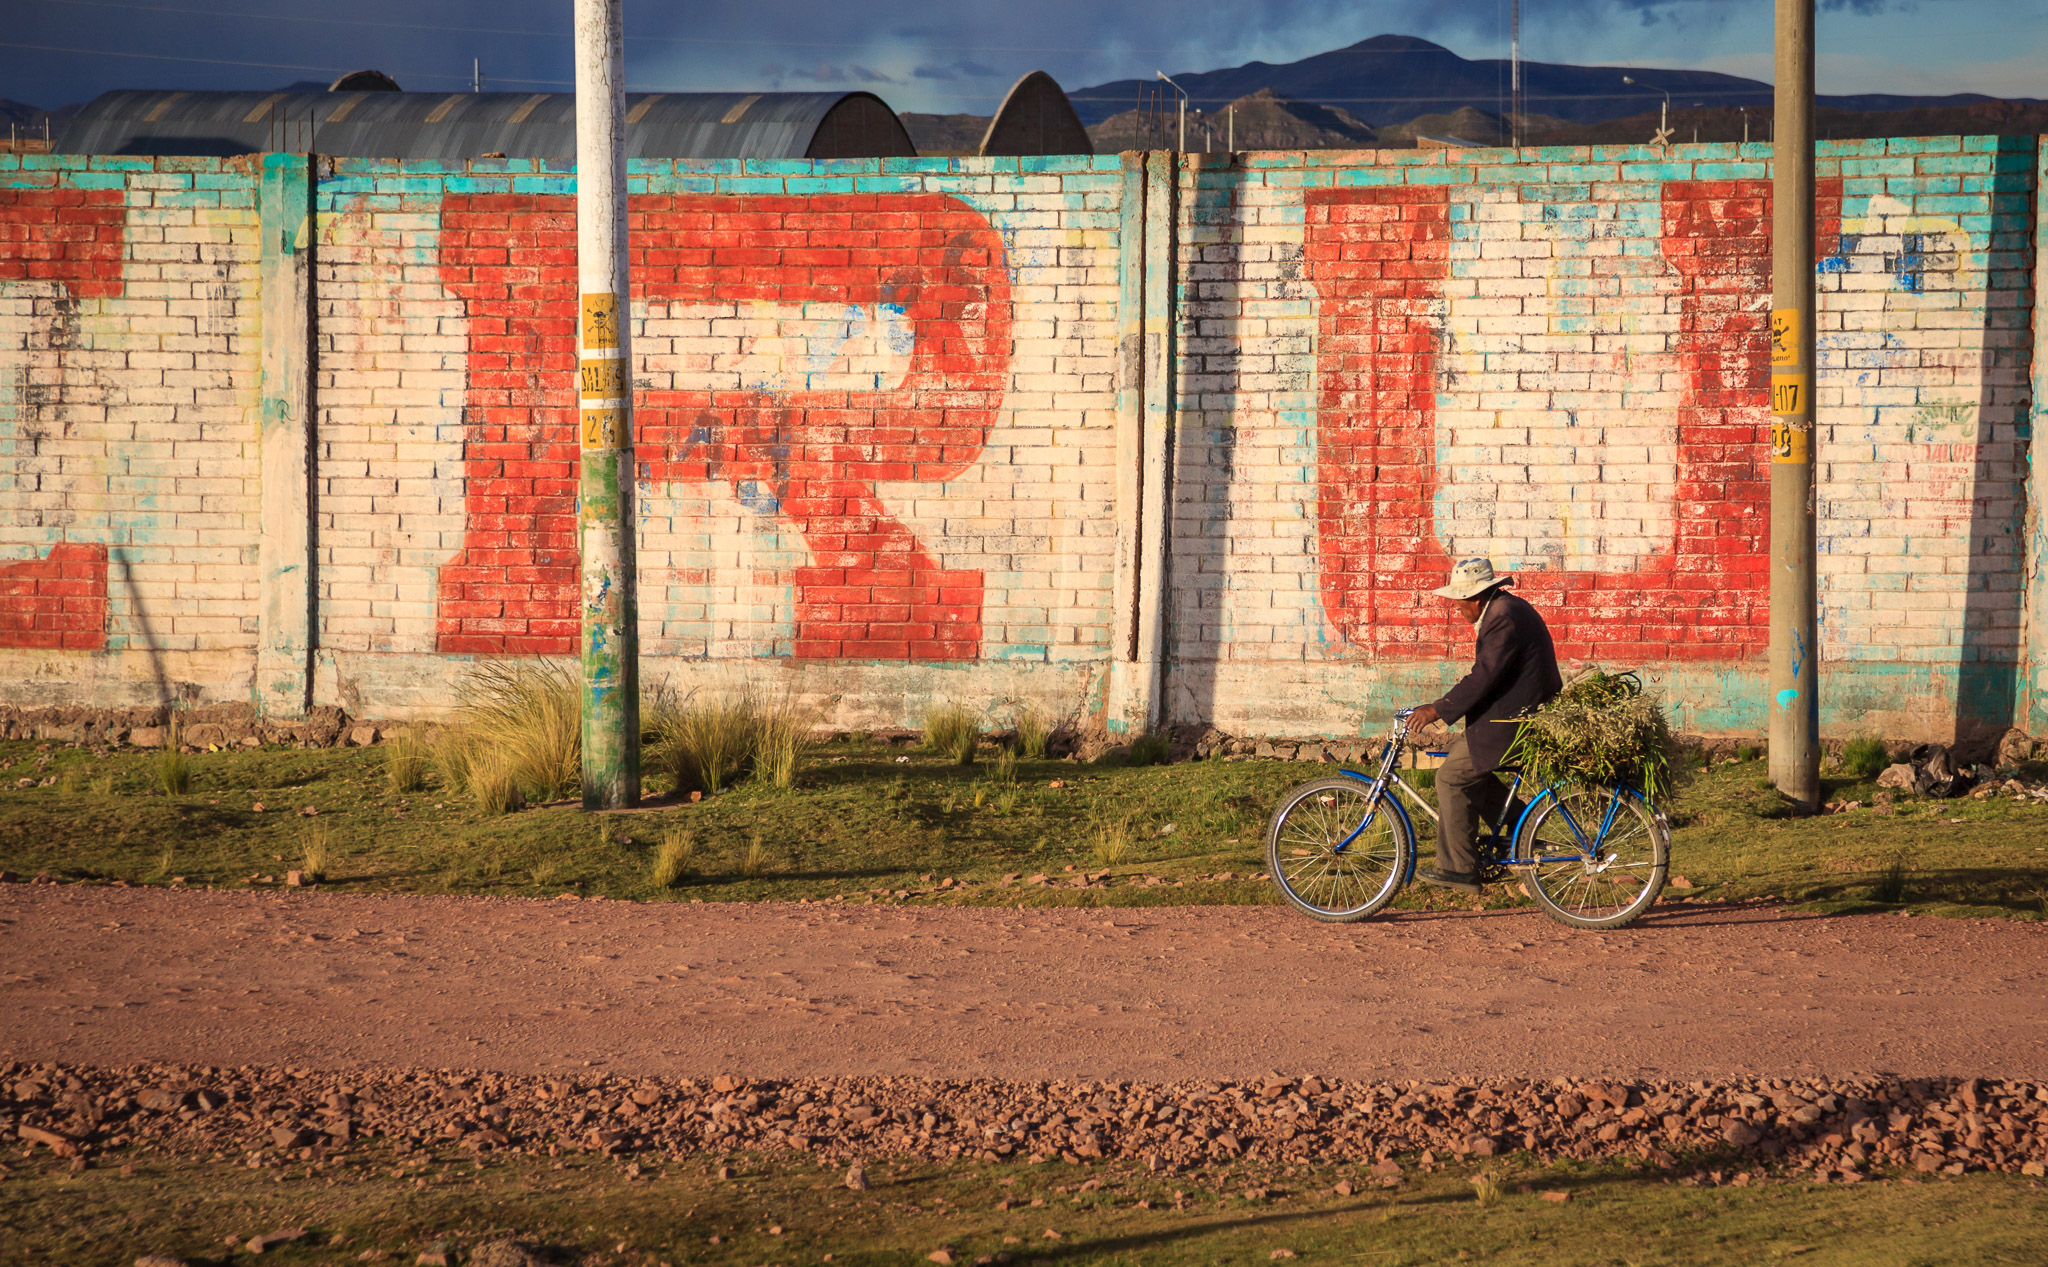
(1514, 668)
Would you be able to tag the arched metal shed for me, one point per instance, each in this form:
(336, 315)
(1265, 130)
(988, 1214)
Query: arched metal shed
(454, 127)
(1036, 118)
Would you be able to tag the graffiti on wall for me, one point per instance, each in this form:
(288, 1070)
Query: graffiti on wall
(58, 247)
(926, 271)
(1380, 258)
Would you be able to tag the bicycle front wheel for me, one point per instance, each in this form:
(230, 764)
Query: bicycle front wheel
(1594, 857)
(1336, 856)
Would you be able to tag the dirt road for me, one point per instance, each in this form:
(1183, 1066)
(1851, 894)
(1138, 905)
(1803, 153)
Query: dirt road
(113, 976)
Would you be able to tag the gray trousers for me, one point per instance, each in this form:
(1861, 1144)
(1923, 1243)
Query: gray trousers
(1468, 801)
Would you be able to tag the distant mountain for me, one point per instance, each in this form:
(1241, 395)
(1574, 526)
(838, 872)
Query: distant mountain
(1264, 120)
(946, 133)
(1392, 79)
(28, 120)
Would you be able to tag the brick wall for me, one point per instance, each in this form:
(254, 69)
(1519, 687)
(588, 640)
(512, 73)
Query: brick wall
(1559, 364)
(885, 425)
(128, 339)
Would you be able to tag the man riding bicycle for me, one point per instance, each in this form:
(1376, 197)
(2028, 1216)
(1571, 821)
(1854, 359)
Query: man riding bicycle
(1514, 669)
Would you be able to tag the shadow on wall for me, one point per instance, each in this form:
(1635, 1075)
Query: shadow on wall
(1987, 680)
(1210, 371)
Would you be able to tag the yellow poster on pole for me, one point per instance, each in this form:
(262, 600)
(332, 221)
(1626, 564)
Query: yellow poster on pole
(1784, 338)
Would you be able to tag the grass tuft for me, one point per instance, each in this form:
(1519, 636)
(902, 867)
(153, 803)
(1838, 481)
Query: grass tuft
(785, 736)
(1486, 1189)
(1113, 843)
(1891, 881)
(314, 853)
(448, 751)
(706, 744)
(673, 859)
(406, 758)
(493, 785)
(1865, 758)
(526, 715)
(1150, 748)
(756, 860)
(1034, 734)
(1005, 768)
(173, 771)
(954, 730)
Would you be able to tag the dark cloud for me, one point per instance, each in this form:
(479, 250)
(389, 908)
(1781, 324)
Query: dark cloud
(958, 56)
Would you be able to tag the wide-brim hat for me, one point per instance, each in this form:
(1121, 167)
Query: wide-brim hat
(1473, 577)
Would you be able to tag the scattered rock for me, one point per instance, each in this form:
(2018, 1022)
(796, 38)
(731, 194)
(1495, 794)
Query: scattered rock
(857, 1177)
(942, 1256)
(1680, 882)
(1556, 1196)
(57, 1142)
(1279, 1254)
(1740, 1133)
(160, 1260)
(504, 1254)
(1898, 776)
(295, 879)
(271, 1240)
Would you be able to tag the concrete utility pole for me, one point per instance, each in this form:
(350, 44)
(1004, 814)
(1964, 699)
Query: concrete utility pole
(604, 525)
(1183, 146)
(1515, 78)
(1795, 652)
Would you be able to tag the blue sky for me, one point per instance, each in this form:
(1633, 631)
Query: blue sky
(923, 56)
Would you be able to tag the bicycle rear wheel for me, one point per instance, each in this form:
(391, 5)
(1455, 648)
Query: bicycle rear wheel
(1598, 855)
(1329, 859)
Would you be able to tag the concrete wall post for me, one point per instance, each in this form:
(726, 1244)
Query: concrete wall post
(1130, 433)
(1162, 182)
(284, 551)
(2031, 708)
(1146, 240)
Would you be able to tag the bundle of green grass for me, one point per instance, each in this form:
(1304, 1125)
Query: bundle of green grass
(1602, 728)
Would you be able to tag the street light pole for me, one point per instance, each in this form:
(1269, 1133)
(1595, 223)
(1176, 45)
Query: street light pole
(1183, 109)
(1663, 111)
(610, 644)
(1794, 705)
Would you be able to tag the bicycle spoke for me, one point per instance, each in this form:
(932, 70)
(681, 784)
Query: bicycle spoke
(1329, 857)
(1597, 855)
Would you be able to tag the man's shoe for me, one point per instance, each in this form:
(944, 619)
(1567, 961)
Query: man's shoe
(1458, 880)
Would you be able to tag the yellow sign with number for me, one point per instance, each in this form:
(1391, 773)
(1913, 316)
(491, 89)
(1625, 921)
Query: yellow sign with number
(1790, 444)
(604, 428)
(1789, 393)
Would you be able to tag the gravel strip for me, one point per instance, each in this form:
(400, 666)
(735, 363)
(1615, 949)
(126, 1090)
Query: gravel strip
(1839, 1129)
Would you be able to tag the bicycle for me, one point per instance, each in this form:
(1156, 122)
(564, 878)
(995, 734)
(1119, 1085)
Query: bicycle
(1341, 847)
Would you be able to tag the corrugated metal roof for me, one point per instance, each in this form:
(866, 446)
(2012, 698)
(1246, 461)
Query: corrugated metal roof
(454, 127)
(1036, 118)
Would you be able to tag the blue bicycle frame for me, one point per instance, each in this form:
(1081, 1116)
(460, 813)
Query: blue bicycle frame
(1389, 780)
